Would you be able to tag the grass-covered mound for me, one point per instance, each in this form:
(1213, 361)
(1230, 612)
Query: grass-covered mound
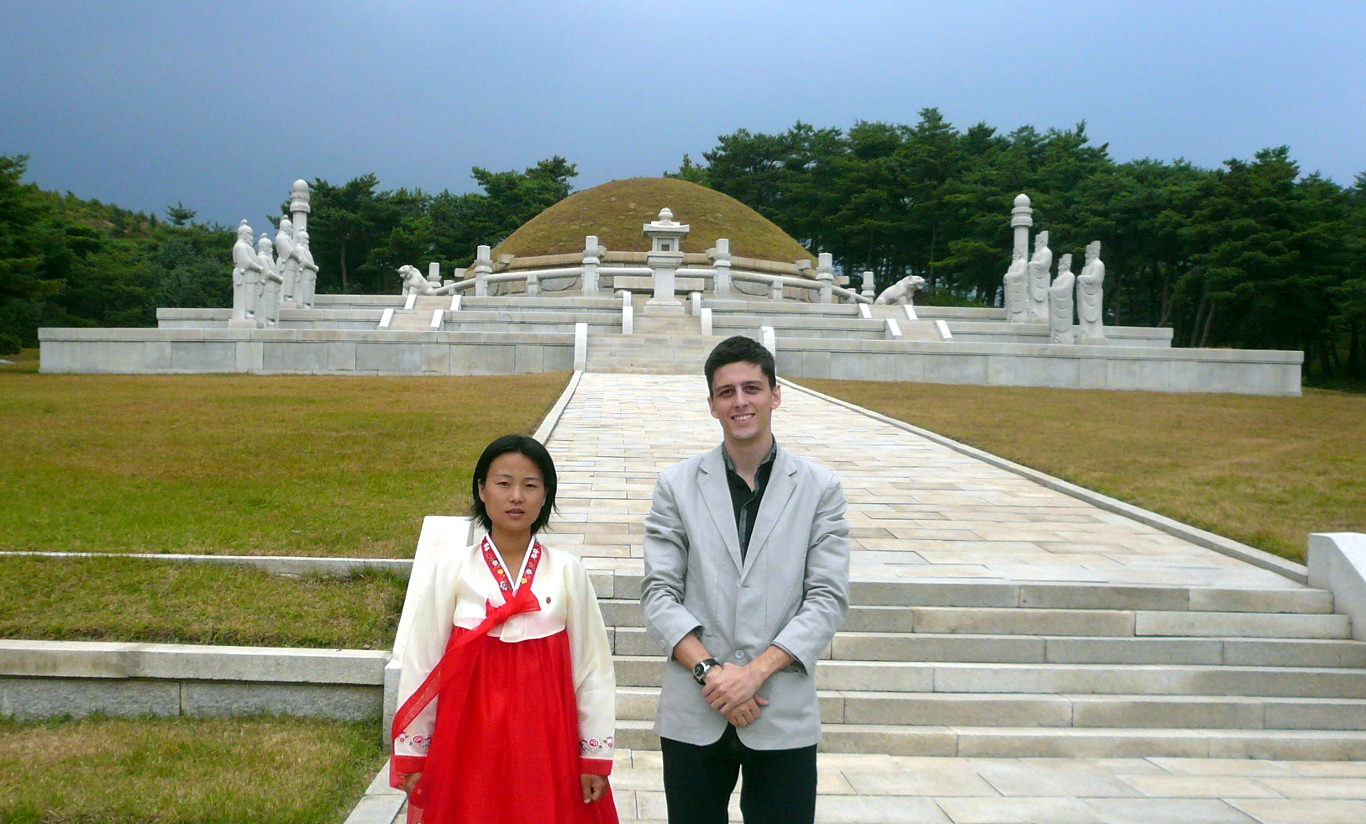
(616, 211)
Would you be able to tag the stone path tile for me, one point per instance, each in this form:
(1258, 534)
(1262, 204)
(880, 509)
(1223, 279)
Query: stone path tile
(917, 509)
(882, 789)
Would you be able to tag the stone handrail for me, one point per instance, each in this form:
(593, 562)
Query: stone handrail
(702, 273)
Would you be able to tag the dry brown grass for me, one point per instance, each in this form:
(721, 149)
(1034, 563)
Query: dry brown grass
(184, 771)
(246, 464)
(1264, 471)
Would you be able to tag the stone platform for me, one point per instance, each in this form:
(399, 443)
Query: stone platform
(391, 335)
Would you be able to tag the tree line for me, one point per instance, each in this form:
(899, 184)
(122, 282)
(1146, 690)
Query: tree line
(1251, 255)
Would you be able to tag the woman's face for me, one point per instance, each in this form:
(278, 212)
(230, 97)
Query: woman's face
(513, 493)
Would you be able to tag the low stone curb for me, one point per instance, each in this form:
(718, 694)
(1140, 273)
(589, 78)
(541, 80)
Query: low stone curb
(1251, 555)
(381, 803)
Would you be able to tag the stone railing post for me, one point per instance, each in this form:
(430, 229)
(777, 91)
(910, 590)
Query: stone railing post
(825, 274)
(720, 262)
(592, 257)
(868, 285)
(775, 288)
(483, 267)
(533, 285)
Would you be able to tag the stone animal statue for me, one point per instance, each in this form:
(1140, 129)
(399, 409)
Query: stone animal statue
(414, 282)
(902, 291)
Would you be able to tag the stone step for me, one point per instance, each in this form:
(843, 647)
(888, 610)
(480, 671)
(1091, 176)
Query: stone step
(1098, 679)
(1022, 649)
(1072, 622)
(1064, 710)
(1065, 742)
(1064, 596)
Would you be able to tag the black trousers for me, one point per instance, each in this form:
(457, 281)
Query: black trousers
(779, 786)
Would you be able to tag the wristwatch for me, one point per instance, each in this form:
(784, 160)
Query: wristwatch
(701, 668)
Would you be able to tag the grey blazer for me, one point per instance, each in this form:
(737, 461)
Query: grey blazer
(792, 590)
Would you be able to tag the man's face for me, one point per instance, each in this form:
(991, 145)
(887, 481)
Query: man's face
(742, 400)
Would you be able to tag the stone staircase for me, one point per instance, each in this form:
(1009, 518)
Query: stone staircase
(1013, 670)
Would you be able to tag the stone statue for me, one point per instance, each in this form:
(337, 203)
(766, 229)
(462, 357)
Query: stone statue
(268, 309)
(308, 271)
(287, 262)
(1060, 303)
(1040, 270)
(1016, 283)
(901, 292)
(414, 282)
(246, 278)
(1090, 295)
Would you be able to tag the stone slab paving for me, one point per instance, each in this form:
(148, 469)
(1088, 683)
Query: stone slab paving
(883, 789)
(917, 510)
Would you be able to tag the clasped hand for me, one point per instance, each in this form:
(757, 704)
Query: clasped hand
(732, 691)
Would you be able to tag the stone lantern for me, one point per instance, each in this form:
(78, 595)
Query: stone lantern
(665, 256)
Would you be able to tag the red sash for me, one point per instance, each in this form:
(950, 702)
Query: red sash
(524, 600)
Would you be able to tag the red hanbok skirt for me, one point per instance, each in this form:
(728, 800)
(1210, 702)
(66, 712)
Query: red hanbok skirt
(505, 749)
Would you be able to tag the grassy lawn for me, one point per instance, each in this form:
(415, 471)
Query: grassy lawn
(241, 464)
(184, 771)
(25, 361)
(1264, 471)
(120, 599)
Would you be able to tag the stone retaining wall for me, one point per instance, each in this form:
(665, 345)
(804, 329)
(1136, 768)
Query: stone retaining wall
(40, 679)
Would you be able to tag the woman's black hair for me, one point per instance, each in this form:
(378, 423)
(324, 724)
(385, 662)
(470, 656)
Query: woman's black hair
(522, 445)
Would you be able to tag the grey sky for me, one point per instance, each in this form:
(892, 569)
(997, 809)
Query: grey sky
(222, 105)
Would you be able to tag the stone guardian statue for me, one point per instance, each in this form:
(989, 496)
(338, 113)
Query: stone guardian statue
(1040, 270)
(308, 271)
(287, 263)
(1016, 283)
(268, 311)
(246, 279)
(1090, 295)
(1060, 303)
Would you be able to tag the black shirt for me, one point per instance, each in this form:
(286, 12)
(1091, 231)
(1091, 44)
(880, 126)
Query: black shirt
(746, 501)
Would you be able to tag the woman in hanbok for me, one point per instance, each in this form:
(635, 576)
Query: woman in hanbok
(507, 693)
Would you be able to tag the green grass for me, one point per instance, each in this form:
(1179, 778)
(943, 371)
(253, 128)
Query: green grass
(184, 771)
(616, 211)
(1261, 470)
(123, 599)
(214, 464)
(25, 361)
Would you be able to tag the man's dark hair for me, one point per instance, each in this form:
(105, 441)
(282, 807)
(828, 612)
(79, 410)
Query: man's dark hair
(739, 348)
(522, 445)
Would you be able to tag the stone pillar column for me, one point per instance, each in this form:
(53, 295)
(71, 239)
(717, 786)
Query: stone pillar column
(720, 263)
(825, 273)
(483, 267)
(868, 285)
(1021, 218)
(298, 205)
(664, 301)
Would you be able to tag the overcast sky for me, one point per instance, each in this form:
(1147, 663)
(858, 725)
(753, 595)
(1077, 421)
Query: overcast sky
(222, 105)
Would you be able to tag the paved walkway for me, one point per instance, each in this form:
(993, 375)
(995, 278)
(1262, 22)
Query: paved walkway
(917, 509)
(920, 510)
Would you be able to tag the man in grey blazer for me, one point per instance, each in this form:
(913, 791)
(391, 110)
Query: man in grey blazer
(746, 581)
